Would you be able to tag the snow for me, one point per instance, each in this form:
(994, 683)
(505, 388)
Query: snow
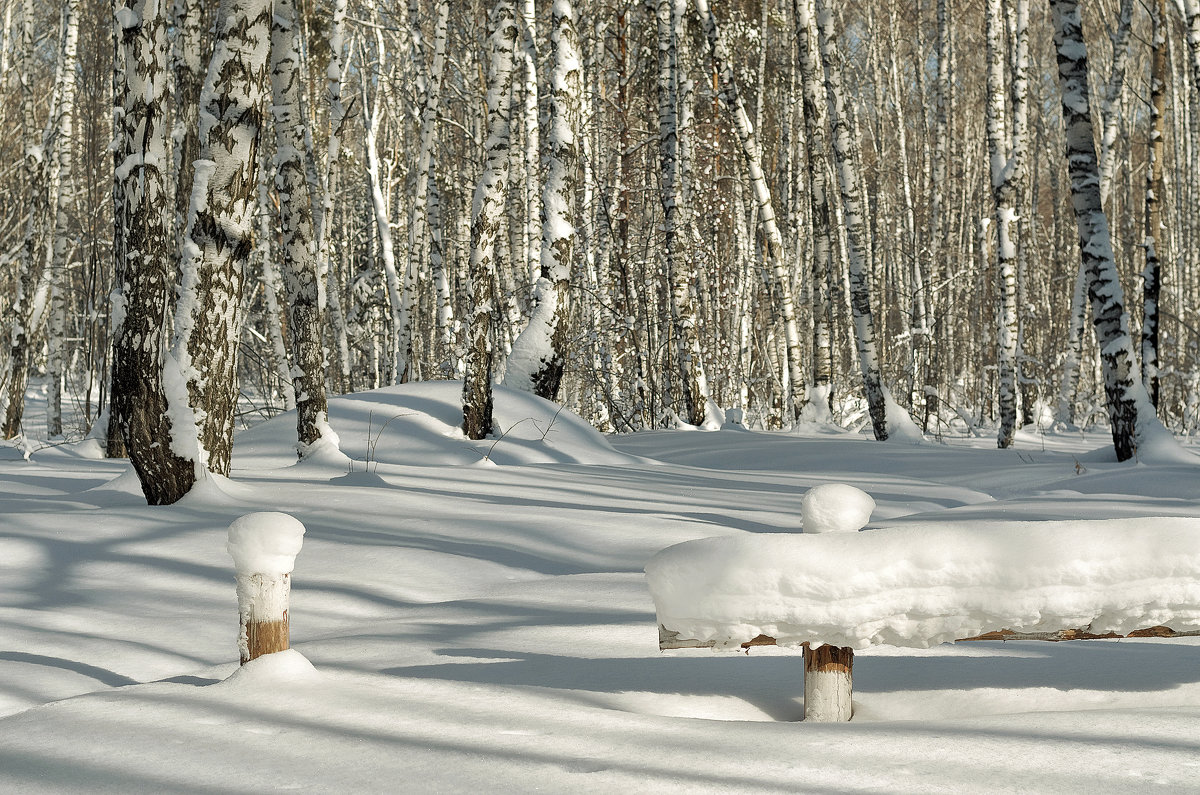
(835, 508)
(489, 628)
(921, 585)
(265, 542)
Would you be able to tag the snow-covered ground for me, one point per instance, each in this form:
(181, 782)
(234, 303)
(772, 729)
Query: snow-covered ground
(474, 617)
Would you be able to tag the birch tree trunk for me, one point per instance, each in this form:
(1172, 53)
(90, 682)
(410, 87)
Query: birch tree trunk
(1122, 386)
(486, 210)
(858, 246)
(397, 298)
(304, 294)
(63, 179)
(1155, 239)
(187, 61)
(21, 310)
(324, 212)
(1007, 156)
(797, 396)
(220, 222)
(539, 353)
(689, 364)
(145, 257)
(815, 105)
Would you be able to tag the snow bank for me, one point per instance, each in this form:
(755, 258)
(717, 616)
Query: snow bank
(922, 585)
(420, 424)
(265, 542)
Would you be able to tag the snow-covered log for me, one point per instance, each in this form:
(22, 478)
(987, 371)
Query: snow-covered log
(920, 585)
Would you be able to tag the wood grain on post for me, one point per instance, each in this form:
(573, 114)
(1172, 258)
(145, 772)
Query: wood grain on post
(828, 683)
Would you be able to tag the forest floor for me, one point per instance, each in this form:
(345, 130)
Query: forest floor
(477, 619)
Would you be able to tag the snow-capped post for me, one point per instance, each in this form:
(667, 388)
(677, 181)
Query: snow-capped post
(829, 669)
(264, 548)
(828, 683)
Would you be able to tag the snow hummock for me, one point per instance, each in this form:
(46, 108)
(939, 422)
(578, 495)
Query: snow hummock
(921, 585)
(835, 508)
(270, 671)
(266, 542)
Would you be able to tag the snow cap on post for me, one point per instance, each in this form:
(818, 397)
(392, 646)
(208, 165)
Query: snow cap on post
(265, 543)
(835, 508)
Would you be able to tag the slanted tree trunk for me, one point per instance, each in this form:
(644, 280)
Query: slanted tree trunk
(487, 209)
(858, 248)
(539, 353)
(1155, 239)
(208, 319)
(394, 281)
(145, 257)
(1122, 384)
(304, 293)
(797, 396)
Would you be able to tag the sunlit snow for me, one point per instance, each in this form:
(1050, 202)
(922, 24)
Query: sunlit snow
(475, 617)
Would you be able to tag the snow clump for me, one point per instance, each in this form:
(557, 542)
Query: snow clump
(265, 542)
(835, 508)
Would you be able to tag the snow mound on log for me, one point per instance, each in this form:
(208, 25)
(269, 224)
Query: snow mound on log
(921, 585)
(419, 424)
(835, 508)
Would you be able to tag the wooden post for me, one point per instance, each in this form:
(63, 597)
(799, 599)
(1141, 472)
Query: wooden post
(828, 683)
(264, 547)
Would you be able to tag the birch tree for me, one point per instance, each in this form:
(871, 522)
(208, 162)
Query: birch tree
(1122, 384)
(858, 246)
(1151, 279)
(22, 310)
(486, 210)
(772, 238)
(1007, 157)
(304, 286)
(689, 364)
(62, 185)
(539, 353)
(219, 234)
(155, 437)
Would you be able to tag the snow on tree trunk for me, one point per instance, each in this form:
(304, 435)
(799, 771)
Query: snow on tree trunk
(690, 367)
(539, 353)
(1122, 384)
(486, 211)
(797, 396)
(219, 241)
(62, 181)
(145, 257)
(529, 258)
(1007, 157)
(858, 246)
(940, 192)
(1155, 238)
(305, 312)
